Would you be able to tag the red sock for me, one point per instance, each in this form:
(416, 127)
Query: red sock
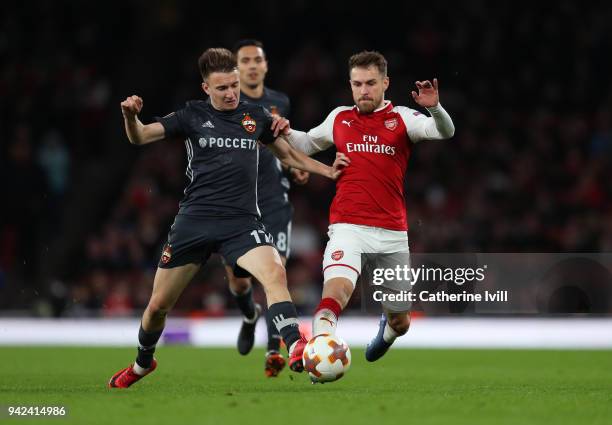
(326, 317)
(330, 304)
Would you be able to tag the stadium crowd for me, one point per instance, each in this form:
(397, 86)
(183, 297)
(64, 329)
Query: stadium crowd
(527, 171)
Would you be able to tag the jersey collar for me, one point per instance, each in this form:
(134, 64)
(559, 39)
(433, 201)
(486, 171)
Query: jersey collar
(387, 106)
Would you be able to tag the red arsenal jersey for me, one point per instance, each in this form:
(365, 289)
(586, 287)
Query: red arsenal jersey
(370, 191)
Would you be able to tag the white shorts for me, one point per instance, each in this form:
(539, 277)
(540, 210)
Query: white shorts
(348, 241)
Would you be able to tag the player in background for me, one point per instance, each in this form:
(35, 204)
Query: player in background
(272, 198)
(368, 213)
(219, 211)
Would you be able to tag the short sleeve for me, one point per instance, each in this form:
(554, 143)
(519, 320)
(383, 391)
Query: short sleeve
(267, 136)
(173, 124)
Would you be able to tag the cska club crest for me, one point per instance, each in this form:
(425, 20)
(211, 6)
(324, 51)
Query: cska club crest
(249, 123)
(391, 124)
(166, 254)
(337, 255)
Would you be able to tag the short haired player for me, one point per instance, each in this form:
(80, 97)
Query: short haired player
(219, 211)
(272, 197)
(368, 213)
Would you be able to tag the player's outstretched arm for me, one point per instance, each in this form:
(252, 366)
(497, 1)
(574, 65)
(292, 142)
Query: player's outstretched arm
(137, 132)
(296, 159)
(303, 142)
(280, 125)
(317, 139)
(440, 125)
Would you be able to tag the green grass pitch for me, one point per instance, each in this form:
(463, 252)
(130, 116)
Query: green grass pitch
(218, 386)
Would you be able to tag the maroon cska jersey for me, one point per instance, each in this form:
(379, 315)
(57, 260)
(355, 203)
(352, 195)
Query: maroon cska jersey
(370, 191)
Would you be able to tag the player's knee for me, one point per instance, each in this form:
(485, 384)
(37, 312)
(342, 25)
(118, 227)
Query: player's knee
(400, 323)
(274, 277)
(158, 309)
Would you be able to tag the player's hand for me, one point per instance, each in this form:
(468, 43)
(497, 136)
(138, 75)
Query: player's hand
(427, 96)
(299, 177)
(280, 125)
(342, 161)
(131, 107)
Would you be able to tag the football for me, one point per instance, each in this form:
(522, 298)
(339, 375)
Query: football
(326, 358)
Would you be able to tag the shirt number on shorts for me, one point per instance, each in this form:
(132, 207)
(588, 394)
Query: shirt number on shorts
(267, 236)
(281, 241)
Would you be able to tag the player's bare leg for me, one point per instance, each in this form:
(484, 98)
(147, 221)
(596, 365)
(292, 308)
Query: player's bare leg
(242, 290)
(392, 325)
(167, 287)
(337, 292)
(265, 264)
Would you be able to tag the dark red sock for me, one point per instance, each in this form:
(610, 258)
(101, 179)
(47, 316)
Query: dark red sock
(329, 304)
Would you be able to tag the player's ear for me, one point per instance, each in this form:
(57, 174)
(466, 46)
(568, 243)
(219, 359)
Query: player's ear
(205, 88)
(386, 83)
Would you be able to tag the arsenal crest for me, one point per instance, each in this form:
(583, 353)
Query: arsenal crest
(337, 255)
(166, 254)
(249, 123)
(391, 124)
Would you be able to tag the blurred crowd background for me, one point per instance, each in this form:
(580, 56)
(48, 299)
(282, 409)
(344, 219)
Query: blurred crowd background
(85, 214)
